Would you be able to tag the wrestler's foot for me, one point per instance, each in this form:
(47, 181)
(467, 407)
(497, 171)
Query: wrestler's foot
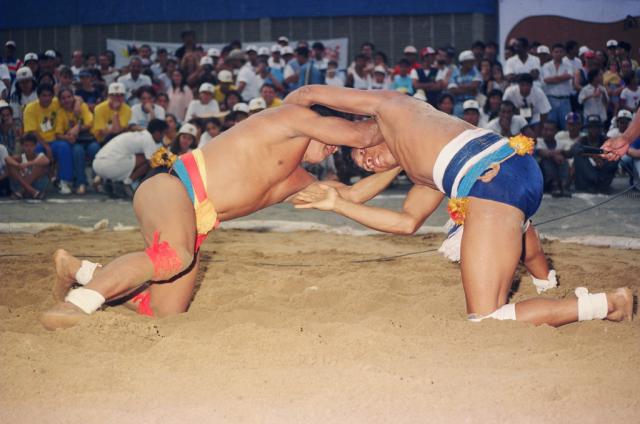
(620, 304)
(66, 267)
(63, 315)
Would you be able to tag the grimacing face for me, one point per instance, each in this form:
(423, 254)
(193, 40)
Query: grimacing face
(374, 159)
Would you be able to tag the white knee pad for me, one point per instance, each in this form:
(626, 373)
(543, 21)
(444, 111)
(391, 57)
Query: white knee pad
(86, 299)
(591, 306)
(505, 312)
(544, 285)
(85, 273)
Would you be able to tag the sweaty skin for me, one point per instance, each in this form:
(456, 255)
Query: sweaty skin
(413, 134)
(249, 167)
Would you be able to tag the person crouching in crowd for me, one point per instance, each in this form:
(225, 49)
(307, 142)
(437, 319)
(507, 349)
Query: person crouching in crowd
(213, 127)
(28, 172)
(186, 140)
(592, 173)
(72, 125)
(126, 158)
(553, 157)
(507, 123)
(145, 110)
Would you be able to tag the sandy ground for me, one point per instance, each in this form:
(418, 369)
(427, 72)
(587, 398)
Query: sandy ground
(286, 329)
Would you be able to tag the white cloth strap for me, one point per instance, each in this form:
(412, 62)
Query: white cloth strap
(591, 306)
(85, 273)
(544, 285)
(86, 299)
(503, 313)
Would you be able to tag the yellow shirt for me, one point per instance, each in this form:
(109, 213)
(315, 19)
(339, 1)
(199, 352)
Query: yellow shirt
(68, 119)
(103, 116)
(220, 96)
(41, 120)
(275, 103)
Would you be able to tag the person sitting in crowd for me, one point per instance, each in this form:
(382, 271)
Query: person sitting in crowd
(73, 124)
(333, 76)
(507, 123)
(498, 81)
(172, 129)
(186, 140)
(9, 130)
(204, 73)
(307, 73)
(224, 87)
(402, 81)
(522, 62)
(471, 112)
(491, 107)
(557, 75)
(24, 92)
(445, 103)
(112, 116)
(232, 99)
(592, 173)
(593, 96)
(530, 100)
(268, 94)
(630, 95)
(358, 76)
(90, 94)
(28, 171)
(573, 132)
(205, 106)
(145, 109)
(257, 105)
(425, 77)
(180, 95)
(134, 80)
(66, 79)
(126, 158)
(553, 158)
(212, 129)
(379, 81)
(465, 81)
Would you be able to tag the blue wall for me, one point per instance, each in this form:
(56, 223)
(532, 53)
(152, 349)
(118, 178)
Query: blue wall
(43, 13)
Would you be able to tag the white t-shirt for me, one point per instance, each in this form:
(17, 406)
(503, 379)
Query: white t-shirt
(562, 89)
(517, 124)
(593, 105)
(515, 66)
(360, 83)
(197, 109)
(129, 144)
(384, 85)
(248, 76)
(336, 81)
(141, 118)
(630, 99)
(562, 144)
(132, 85)
(531, 107)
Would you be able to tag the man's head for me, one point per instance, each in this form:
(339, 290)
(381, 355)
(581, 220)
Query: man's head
(557, 52)
(10, 49)
(45, 94)
(29, 142)
(145, 51)
(571, 47)
(623, 118)
(507, 110)
(405, 67)
(77, 58)
(467, 60)
(6, 113)
(521, 46)
(31, 60)
(428, 57)
(411, 54)
(162, 100)
(549, 130)
(252, 54)
(268, 93)
(525, 83)
(188, 37)
(374, 159)
(318, 50)
(471, 112)
(491, 50)
(594, 126)
(478, 49)
(361, 61)
(302, 55)
(283, 41)
(367, 49)
(594, 77)
(116, 94)
(146, 94)
(206, 92)
(135, 66)
(157, 128)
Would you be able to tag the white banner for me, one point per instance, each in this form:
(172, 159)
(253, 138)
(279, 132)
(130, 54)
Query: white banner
(335, 48)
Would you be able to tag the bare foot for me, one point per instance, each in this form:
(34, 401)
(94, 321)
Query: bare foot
(66, 267)
(63, 315)
(620, 304)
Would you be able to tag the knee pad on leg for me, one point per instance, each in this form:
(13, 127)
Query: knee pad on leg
(591, 306)
(505, 312)
(143, 300)
(166, 262)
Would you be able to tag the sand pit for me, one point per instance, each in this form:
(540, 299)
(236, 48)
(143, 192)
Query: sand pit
(284, 329)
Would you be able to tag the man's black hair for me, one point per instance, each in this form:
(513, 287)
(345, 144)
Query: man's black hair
(303, 51)
(30, 138)
(570, 45)
(146, 89)
(557, 46)
(479, 44)
(156, 125)
(317, 45)
(526, 78)
(592, 75)
(44, 87)
(524, 41)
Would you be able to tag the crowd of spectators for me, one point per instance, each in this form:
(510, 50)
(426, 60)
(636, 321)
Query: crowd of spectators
(98, 127)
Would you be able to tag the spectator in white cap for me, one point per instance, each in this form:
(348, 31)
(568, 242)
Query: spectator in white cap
(112, 116)
(134, 79)
(380, 81)
(275, 60)
(252, 55)
(283, 41)
(257, 105)
(145, 110)
(180, 95)
(557, 75)
(241, 107)
(544, 54)
(186, 140)
(269, 95)
(10, 58)
(522, 62)
(48, 62)
(77, 62)
(411, 54)
(31, 61)
(333, 77)
(465, 81)
(203, 73)
(471, 112)
(205, 106)
(612, 45)
(623, 118)
(264, 53)
(23, 93)
(425, 77)
(225, 86)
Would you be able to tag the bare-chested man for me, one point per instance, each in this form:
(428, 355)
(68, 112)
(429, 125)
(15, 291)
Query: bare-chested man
(495, 186)
(249, 167)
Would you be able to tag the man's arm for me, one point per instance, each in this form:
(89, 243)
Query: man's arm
(361, 102)
(421, 201)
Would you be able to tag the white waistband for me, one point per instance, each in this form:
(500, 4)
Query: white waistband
(449, 150)
(472, 161)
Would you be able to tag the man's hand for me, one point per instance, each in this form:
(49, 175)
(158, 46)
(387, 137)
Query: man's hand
(615, 148)
(317, 196)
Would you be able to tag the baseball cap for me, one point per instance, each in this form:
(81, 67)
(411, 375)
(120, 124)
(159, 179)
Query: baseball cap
(213, 52)
(241, 107)
(10, 43)
(410, 49)
(3, 104)
(257, 103)
(50, 53)
(188, 129)
(206, 60)
(24, 73)
(612, 43)
(84, 73)
(470, 104)
(583, 50)
(594, 120)
(30, 56)
(466, 55)
(543, 49)
(225, 76)
(251, 48)
(380, 69)
(283, 39)
(207, 88)
(264, 51)
(573, 118)
(427, 50)
(116, 88)
(624, 114)
(236, 54)
(286, 50)
(276, 48)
